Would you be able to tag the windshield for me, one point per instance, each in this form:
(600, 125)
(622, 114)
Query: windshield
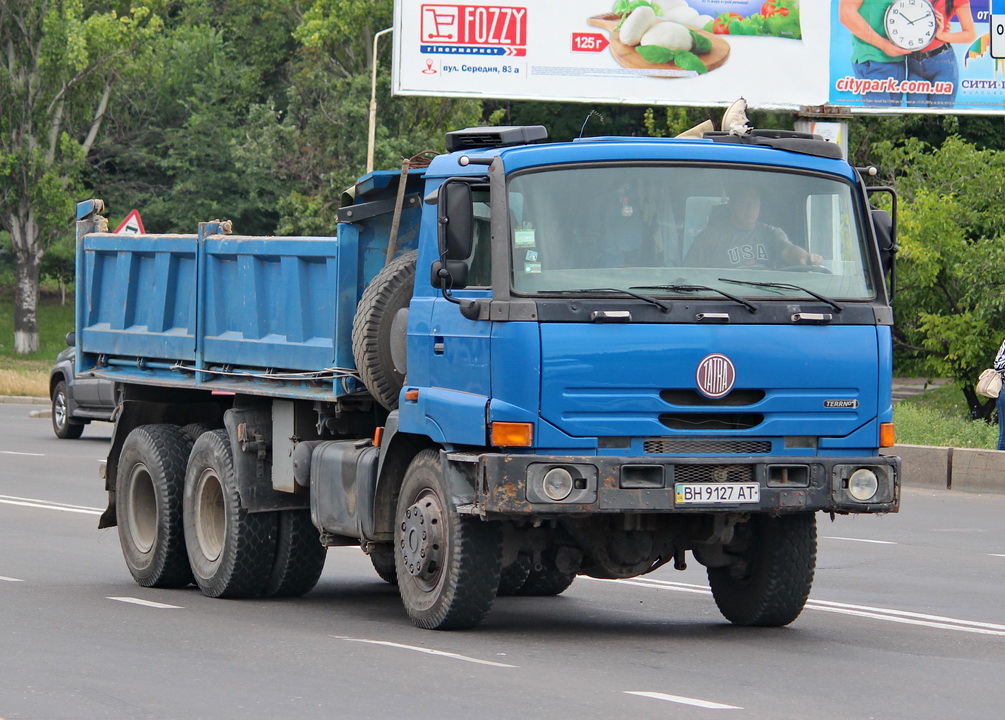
(654, 228)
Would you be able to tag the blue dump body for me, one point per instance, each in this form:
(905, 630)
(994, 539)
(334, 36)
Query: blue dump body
(529, 361)
(262, 315)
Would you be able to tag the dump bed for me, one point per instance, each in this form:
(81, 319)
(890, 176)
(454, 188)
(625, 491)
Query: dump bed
(228, 312)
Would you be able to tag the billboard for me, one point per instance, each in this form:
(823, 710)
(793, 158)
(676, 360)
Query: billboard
(779, 54)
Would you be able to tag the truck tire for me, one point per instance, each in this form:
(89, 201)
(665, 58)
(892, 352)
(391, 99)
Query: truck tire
(387, 293)
(231, 551)
(448, 565)
(148, 505)
(382, 557)
(769, 587)
(513, 576)
(546, 582)
(194, 430)
(300, 556)
(62, 426)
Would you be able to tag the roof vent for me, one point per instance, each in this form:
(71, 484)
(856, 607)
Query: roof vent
(492, 137)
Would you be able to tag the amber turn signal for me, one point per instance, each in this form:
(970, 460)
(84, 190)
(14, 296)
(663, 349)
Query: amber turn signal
(887, 437)
(512, 434)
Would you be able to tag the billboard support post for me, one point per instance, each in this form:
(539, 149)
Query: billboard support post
(372, 131)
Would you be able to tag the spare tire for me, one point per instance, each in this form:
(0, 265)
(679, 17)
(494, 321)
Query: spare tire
(373, 331)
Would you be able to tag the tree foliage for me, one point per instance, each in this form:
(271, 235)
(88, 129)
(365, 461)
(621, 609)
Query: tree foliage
(950, 307)
(59, 62)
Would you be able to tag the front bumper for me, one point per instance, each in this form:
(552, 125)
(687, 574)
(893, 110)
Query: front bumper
(511, 484)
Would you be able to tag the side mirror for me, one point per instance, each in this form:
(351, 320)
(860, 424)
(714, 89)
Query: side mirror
(455, 216)
(882, 223)
(71, 338)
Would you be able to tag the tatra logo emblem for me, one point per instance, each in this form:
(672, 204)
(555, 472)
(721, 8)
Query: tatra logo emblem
(715, 376)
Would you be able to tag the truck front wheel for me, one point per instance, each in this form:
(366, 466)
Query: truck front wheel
(148, 505)
(770, 582)
(231, 551)
(448, 565)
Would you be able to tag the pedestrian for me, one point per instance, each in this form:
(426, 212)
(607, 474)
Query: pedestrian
(1000, 402)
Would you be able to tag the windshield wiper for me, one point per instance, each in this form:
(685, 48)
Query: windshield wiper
(651, 300)
(786, 286)
(696, 288)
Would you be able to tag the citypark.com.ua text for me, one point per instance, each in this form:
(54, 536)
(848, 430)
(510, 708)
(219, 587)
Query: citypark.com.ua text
(861, 86)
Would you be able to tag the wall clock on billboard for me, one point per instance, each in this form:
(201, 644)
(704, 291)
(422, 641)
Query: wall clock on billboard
(910, 24)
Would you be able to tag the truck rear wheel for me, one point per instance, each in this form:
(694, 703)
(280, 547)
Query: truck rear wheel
(448, 565)
(231, 551)
(148, 505)
(300, 556)
(513, 576)
(769, 585)
(546, 582)
(382, 557)
(372, 337)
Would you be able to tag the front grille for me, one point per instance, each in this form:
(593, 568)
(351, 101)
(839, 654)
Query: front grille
(662, 446)
(713, 473)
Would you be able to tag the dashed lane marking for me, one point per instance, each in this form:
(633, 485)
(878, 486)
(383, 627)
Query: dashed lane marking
(862, 540)
(683, 700)
(428, 651)
(9, 579)
(46, 505)
(146, 603)
(11, 452)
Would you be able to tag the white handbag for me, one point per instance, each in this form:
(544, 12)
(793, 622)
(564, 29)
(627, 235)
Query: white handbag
(989, 384)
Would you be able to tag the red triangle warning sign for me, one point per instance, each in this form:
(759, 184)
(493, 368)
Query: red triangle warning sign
(132, 225)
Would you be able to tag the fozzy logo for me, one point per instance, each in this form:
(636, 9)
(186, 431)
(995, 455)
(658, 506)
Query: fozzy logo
(474, 30)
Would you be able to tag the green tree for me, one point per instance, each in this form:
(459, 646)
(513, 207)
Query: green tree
(58, 68)
(318, 146)
(950, 307)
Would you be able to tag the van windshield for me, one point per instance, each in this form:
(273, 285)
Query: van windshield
(648, 226)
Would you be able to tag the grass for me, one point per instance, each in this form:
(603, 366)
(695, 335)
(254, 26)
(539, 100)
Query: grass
(941, 417)
(28, 375)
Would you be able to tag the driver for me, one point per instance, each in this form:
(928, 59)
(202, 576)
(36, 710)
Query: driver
(737, 238)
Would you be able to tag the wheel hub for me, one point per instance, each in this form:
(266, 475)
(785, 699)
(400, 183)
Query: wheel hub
(421, 539)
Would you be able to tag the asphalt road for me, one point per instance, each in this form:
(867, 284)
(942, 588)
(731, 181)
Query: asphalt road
(906, 620)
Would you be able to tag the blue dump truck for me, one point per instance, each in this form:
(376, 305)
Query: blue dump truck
(515, 365)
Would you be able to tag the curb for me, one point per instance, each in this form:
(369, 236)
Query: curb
(949, 468)
(21, 400)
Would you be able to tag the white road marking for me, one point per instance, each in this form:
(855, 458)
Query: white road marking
(683, 700)
(146, 603)
(428, 651)
(874, 542)
(996, 555)
(876, 613)
(11, 452)
(9, 579)
(46, 505)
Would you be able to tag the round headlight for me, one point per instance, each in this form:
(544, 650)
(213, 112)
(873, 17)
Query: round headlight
(863, 484)
(557, 483)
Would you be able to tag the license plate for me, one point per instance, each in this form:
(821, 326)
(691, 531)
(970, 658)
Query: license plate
(717, 493)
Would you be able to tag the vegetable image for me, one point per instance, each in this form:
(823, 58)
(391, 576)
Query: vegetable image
(720, 26)
(774, 8)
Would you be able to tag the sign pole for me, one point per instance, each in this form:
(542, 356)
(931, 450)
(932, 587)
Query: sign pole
(372, 134)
